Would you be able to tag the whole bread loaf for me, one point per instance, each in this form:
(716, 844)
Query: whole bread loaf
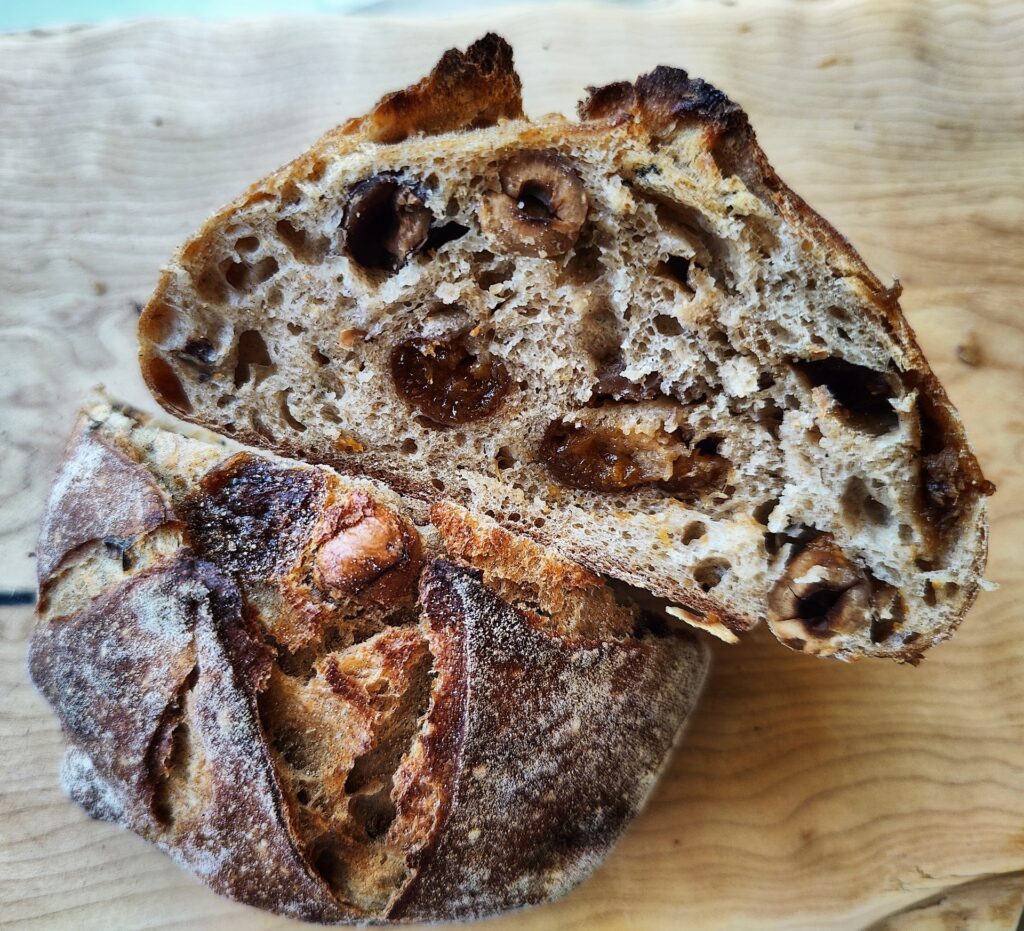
(622, 336)
(334, 705)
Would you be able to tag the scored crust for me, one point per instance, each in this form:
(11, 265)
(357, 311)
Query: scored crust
(320, 725)
(708, 333)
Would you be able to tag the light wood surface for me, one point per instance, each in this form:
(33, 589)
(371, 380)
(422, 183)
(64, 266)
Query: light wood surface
(808, 794)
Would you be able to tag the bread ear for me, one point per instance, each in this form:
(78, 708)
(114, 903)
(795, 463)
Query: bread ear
(466, 90)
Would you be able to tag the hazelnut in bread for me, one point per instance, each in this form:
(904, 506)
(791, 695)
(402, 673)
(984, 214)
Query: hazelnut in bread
(623, 336)
(332, 703)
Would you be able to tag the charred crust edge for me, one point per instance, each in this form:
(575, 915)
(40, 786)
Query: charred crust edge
(465, 90)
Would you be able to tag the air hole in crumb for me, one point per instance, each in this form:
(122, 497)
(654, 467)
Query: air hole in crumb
(676, 268)
(286, 412)
(252, 359)
(709, 445)
(495, 275)
(439, 236)
(538, 522)
(373, 812)
(840, 314)
(247, 244)
(929, 595)
(295, 329)
(906, 533)
(437, 484)
(514, 517)
(584, 264)
(770, 416)
(304, 245)
(860, 507)
(302, 797)
(291, 194)
(329, 864)
(764, 510)
(408, 446)
(667, 326)
(693, 531)
(319, 358)
(709, 573)
(244, 277)
(505, 459)
(861, 395)
(224, 400)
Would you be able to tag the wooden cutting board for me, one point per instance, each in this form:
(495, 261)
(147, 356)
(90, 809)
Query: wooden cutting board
(808, 794)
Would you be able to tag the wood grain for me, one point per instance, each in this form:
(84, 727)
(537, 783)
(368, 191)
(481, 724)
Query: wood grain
(808, 794)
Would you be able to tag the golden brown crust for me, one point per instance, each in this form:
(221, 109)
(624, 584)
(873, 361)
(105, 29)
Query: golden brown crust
(489, 547)
(558, 596)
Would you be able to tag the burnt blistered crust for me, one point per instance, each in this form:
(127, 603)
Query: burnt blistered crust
(329, 780)
(466, 90)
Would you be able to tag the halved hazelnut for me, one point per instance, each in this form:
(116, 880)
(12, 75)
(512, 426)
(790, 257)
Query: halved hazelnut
(385, 222)
(820, 595)
(447, 382)
(366, 549)
(540, 208)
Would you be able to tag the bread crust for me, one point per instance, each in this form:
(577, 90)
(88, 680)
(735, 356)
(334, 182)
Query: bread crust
(172, 655)
(521, 826)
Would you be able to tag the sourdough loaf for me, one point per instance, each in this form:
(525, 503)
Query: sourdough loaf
(623, 336)
(330, 704)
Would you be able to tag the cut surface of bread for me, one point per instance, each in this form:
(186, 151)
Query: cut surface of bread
(623, 336)
(330, 704)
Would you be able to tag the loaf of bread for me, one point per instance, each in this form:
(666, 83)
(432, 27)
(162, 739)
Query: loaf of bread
(623, 336)
(330, 704)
